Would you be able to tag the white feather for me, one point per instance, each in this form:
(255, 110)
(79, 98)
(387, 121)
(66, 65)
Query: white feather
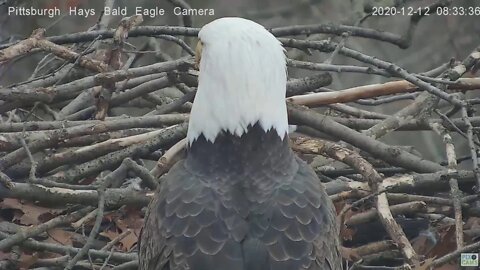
(242, 80)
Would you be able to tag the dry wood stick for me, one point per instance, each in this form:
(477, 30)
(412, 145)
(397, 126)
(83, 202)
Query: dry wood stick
(375, 182)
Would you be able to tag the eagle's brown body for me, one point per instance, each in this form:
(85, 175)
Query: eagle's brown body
(240, 203)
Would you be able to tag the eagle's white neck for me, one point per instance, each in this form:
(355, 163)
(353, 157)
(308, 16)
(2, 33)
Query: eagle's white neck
(242, 81)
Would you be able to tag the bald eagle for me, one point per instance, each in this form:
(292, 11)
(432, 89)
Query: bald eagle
(241, 200)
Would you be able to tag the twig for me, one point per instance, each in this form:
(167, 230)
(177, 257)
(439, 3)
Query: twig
(359, 113)
(143, 173)
(62, 249)
(92, 167)
(79, 223)
(370, 91)
(335, 68)
(353, 31)
(386, 100)
(86, 153)
(71, 67)
(27, 94)
(306, 84)
(6, 181)
(167, 160)
(454, 189)
(453, 125)
(30, 232)
(117, 239)
(401, 73)
(37, 40)
(174, 105)
(52, 137)
(473, 149)
(193, 32)
(125, 123)
(340, 45)
(106, 260)
(93, 232)
(427, 182)
(398, 209)
(411, 124)
(392, 155)
(424, 102)
(373, 248)
(128, 265)
(375, 182)
(178, 41)
(33, 163)
(405, 197)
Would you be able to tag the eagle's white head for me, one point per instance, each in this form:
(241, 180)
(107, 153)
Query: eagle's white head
(242, 80)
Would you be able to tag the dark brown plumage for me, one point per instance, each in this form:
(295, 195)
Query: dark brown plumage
(240, 203)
